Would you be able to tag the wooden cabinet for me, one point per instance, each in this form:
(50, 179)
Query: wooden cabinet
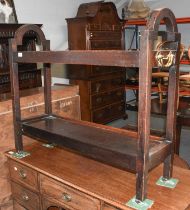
(65, 102)
(66, 195)
(97, 27)
(23, 175)
(64, 180)
(25, 197)
(183, 117)
(31, 188)
(108, 207)
(29, 75)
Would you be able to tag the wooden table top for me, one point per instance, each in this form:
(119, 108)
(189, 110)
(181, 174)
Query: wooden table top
(107, 183)
(65, 89)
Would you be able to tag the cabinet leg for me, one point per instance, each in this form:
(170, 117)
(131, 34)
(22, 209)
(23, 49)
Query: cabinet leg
(168, 165)
(178, 137)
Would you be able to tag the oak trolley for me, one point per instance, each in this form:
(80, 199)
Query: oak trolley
(137, 152)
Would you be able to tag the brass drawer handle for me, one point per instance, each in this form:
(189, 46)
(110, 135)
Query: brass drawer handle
(118, 81)
(22, 174)
(98, 86)
(119, 93)
(99, 100)
(67, 197)
(100, 115)
(120, 108)
(25, 197)
(97, 68)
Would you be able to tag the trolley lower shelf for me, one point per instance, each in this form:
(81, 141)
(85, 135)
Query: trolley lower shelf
(115, 147)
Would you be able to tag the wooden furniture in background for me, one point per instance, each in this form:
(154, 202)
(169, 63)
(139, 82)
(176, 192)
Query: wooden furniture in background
(65, 102)
(142, 22)
(29, 75)
(102, 88)
(137, 152)
(183, 117)
(58, 178)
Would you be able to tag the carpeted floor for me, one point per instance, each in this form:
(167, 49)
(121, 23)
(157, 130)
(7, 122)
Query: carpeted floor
(158, 123)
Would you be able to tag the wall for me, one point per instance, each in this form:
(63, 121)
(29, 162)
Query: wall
(181, 9)
(52, 15)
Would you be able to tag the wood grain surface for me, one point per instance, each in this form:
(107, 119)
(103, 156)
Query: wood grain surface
(114, 186)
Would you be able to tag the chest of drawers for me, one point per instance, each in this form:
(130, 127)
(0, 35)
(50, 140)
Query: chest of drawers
(33, 190)
(29, 74)
(97, 27)
(54, 179)
(103, 98)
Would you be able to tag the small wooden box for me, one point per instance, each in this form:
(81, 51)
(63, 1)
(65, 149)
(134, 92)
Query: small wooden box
(65, 102)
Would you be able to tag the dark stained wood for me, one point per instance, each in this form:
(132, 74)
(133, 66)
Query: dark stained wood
(15, 97)
(47, 84)
(87, 57)
(29, 75)
(13, 44)
(117, 58)
(93, 141)
(144, 110)
(171, 115)
(108, 184)
(108, 145)
(173, 91)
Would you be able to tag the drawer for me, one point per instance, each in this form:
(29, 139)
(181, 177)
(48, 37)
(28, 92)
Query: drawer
(50, 205)
(108, 207)
(25, 197)
(27, 79)
(111, 97)
(81, 72)
(100, 70)
(104, 27)
(109, 113)
(23, 174)
(108, 84)
(105, 45)
(105, 35)
(66, 195)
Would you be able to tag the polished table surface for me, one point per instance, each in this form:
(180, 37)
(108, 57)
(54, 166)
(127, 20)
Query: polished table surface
(104, 182)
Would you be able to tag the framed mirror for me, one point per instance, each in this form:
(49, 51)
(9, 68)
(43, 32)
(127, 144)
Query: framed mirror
(7, 12)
